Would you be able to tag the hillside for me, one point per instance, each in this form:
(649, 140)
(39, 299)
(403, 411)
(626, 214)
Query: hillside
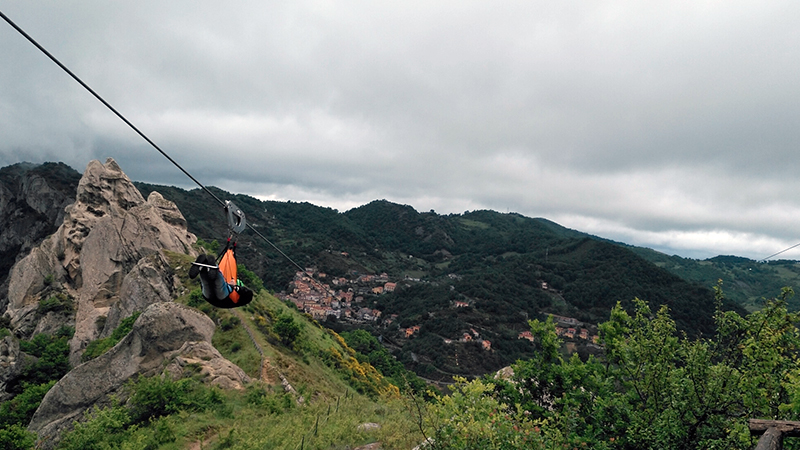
(106, 342)
(481, 273)
(746, 281)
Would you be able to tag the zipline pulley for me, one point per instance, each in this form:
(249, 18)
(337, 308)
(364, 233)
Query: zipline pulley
(236, 219)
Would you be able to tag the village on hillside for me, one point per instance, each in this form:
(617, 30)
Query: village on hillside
(340, 298)
(345, 299)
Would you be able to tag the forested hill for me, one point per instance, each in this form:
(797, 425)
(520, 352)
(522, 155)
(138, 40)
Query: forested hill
(506, 269)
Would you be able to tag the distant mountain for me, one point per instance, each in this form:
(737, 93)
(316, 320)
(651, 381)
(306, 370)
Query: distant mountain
(745, 281)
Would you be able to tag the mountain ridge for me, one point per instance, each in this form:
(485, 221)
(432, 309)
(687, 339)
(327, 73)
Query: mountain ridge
(499, 261)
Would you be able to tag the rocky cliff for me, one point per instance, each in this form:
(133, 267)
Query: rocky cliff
(102, 261)
(105, 255)
(32, 202)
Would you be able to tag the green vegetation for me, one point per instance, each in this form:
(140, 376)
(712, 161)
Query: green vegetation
(747, 282)
(164, 413)
(47, 360)
(369, 350)
(655, 389)
(60, 302)
(287, 329)
(100, 346)
(48, 356)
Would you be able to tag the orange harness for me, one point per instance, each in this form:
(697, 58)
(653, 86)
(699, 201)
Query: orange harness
(227, 265)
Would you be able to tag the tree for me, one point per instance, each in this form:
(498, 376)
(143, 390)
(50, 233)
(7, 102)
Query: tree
(655, 388)
(287, 329)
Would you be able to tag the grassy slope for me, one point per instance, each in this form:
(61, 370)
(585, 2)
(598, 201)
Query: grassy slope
(243, 425)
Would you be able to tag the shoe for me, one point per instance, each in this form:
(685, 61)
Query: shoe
(195, 269)
(209, 261)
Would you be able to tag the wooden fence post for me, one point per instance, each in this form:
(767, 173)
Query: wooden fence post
(772, 432)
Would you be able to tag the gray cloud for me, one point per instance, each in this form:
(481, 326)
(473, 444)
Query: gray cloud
(670, 125)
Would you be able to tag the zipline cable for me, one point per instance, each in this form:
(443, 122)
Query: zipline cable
(133, 127)
(782, 251)
(98, 97)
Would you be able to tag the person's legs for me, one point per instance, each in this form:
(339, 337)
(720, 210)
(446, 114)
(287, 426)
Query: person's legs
(221, 287)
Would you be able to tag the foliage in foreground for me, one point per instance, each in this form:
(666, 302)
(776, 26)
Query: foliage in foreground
(656, 389)
(168, 414)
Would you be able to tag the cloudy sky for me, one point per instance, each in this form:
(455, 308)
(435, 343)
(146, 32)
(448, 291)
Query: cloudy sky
(674, 126)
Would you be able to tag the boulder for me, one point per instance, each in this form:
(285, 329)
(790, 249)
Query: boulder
(158, 336)
(201, 358)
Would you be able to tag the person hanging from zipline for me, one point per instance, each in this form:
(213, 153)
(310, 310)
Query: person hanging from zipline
(220, 283)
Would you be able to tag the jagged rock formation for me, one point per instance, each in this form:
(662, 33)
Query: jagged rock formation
(165, 334)
(32, 202)
(106, 255)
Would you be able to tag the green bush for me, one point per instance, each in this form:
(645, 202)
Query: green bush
(55, 303)
(229, 323)
(100, 346)
(16, 437)
(156, 397)
(196, 299)
(52, 356)
(105, 429)
(19, 410)
(249, 278)
(287, 329)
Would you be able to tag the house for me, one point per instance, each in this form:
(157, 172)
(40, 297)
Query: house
(570, 333)
(410, 331)
(318, 312)
(544, 285)
(526, 335)
(466, 338)
(584, 334)
(460, 304)
(565, 320)
(389, 287)
(487, 345)
(377, 290)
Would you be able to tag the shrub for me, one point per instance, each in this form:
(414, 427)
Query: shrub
(52, 353)
(155, 397)
(56, 303)
(196, 299)
(230, 322)
(287, 329)
(20, 409)
(100, 346)
(16, 437)
(105, 429)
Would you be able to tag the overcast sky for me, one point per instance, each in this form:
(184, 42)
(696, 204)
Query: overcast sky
(670, 125)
